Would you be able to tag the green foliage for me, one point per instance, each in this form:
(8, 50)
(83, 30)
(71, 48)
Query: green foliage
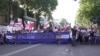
(3, 7)
(88, 11)
(63, 21)
(39, 6)
(8, 5)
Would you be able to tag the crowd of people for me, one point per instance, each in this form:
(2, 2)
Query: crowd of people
(77, 34)
(37, 30)
(41, 29)
(85, 35)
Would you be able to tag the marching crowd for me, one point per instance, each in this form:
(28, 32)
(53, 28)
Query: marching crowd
(85, 35)
(77, 35)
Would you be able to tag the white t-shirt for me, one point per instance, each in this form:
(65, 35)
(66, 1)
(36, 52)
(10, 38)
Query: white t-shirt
(55, 30)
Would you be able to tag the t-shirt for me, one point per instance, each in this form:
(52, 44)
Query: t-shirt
(74, 32)
(92, 33)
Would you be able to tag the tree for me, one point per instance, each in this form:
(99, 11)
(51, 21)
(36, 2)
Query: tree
(3, 7)
(63, 21)
(8, 7)
(40, 6)
(88, 11)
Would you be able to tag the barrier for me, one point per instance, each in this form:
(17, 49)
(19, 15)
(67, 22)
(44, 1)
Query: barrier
(38, 37)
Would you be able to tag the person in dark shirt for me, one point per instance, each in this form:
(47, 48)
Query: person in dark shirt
(92, 37)
(79, 37)
(74, 31)
(74, 34)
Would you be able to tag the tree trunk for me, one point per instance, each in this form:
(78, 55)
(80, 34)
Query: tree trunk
(37, 19)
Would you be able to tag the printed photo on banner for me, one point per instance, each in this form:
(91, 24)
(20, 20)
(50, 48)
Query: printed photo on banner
(64, 36)
(10, 37)
(58, 36)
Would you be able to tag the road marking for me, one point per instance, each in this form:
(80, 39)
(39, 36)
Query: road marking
(17, 51)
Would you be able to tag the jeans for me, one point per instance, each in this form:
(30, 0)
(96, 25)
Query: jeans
(92, 39)
(73, 40)
(97, 39)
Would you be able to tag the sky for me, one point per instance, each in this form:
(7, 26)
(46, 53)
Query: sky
(66, 9)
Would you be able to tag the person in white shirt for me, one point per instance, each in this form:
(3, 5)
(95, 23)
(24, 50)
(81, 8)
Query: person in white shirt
(55, 29)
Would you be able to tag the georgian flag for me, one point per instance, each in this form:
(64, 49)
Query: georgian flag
(18, 26)
(29, 25)
(11, 23)
(46, 25)
(19, 20)
(65, 26)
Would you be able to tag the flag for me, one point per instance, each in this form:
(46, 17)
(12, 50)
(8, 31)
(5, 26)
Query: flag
(65, 26)
(18, 26)
(46, 25)
(26, 27)
(38, 27)
(11, 23)
(19, 20)
(29, 25)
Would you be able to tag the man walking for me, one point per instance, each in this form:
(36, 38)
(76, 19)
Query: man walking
(74, 34)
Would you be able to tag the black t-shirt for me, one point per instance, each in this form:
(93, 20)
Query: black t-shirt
(74, 32)
(80, 34)
(92, 33)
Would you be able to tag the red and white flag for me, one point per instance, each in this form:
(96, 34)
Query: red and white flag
(18, 26)
(11, 23)
(46, 25)
(19, 20)
(29, 25)
(65, 26)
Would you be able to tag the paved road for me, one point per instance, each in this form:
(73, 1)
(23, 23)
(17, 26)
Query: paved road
(49, 50)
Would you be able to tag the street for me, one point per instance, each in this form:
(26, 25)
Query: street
(49, 50)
